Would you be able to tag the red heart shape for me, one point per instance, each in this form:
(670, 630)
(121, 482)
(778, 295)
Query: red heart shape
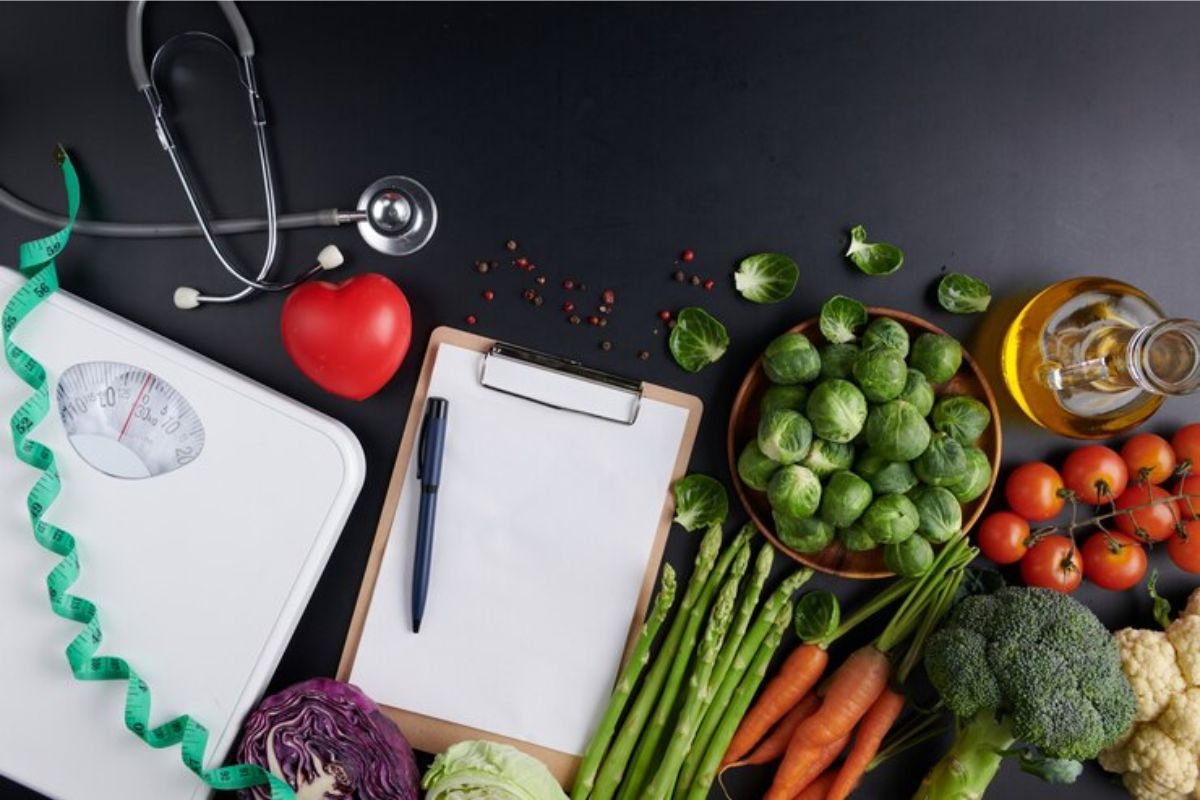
(350, 337)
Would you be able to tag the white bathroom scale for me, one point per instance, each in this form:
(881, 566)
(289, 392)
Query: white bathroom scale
(205, 507)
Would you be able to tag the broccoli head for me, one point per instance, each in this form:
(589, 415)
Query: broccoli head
(1028, 666)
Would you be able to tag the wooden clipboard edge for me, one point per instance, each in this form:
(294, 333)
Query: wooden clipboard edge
(435, 735)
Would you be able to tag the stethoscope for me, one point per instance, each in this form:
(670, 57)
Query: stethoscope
(396, 215)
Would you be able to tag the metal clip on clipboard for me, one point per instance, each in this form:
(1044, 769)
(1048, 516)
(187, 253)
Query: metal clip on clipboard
(560, 383)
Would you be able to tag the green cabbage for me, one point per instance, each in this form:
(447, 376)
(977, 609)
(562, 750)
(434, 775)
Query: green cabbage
(489, 771)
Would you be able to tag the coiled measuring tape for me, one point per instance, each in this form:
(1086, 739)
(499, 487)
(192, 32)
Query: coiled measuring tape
(36, 263)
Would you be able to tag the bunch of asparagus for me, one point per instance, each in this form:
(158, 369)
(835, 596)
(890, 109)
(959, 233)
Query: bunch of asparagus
(708, 669)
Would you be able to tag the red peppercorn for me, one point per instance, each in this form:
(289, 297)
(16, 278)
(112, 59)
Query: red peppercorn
(568, 284)
(488, 295)
(471, 319)
(687, 255)
(664, 315)
(608, 296)
(593, 320)
(529, 294)
(709, 284)
(568, 307)
(521, 262)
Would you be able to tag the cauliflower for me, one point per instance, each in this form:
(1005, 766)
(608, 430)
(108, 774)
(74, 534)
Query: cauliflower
(1193, 604)
(1143, 786)
(1184, 634)
(1181, 719)
(1150, 664)
(1164, 764)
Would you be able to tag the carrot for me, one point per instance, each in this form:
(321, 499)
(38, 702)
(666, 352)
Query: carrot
(775, 745)
(801, 766)
(871, 730)
(798, 674)
(817, 790)
(855, 686)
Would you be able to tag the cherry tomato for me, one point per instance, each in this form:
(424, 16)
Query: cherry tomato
(1053, 563)
(1189, 509)
(1154, 522)
(1115, 561)
(1186, 444)
(1095, 473)
(1185, 552)
(1003, 537)
(1032, 491)
(1150, 457)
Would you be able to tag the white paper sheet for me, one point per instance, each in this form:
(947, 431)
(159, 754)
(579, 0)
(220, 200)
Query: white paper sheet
(545, 522)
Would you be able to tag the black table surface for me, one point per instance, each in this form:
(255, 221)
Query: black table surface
(1021, 143)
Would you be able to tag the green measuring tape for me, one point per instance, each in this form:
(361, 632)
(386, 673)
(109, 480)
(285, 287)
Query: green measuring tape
(36, 263)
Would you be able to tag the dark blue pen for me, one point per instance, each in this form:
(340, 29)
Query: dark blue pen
(429, 472)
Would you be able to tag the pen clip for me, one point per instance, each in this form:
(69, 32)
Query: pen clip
(421, 446)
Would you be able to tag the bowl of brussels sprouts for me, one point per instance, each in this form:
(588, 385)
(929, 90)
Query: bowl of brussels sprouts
(863, 439)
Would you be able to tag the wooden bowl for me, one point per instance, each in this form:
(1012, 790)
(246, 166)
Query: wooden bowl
(836, 559)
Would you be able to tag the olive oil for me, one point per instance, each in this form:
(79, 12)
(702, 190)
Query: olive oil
(1093, 357)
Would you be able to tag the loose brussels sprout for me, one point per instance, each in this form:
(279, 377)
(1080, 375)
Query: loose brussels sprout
(886, 332)
(766, 277)
(897, 431)
(975, 479)
(825, 458)
(804, 535)
(754, 468)
(962, 294)
(881, 373)
(963, 418)
(942, 463)
(789, 397)
(910, 558)
(837, 360)
(891, 518)
(697, 340)
(794, 491)
(873, 258)
(840, 317)
(784, 436)
(885, 477)
(941, 515)
(938, 356)
(918, 392)
(837, 410)
(856, 538)
(844, 499)
(791, 359)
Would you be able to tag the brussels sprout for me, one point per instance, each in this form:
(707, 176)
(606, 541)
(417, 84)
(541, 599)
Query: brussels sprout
(766, 277)
(794, 491)
(825, 458)
(941, 515)
(837, 410)
(962, 294)
(975, 479)
(840, 317)
(897, 431)
(784, 436)
(963, 418)
(754, 468)
(873, 258)
(790, 397)
(891, 518)
(918, 392)
(804, 535)
(856, 538)
(886, 332)
(942, 463)
(909, 558)
(700, 501)
(697, 340)
(791, 359)
(885, 477)
(837, 360)
(817, 616)
(844, 499)
(881, 373)
(938, 356)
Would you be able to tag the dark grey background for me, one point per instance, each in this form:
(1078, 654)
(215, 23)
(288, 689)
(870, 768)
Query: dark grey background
(1022, 143)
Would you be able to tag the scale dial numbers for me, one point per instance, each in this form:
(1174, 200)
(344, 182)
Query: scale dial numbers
(126, 421)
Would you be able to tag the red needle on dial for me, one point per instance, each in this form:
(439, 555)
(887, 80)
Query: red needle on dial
(133, 407)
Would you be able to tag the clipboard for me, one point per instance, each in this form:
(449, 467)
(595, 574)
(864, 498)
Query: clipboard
(526, 380)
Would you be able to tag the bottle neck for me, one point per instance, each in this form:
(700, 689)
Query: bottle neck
(1164, 357)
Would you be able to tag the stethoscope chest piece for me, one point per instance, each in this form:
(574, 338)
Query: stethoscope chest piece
(401, 216)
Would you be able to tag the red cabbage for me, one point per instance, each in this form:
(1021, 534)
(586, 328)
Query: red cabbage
(328, 740)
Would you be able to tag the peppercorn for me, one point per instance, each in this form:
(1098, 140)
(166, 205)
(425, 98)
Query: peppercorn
(568, 307)
(679, 276)
(603, 321)
(593, 320)
(687, 255)
(488, 295)
(670, 324)
(538, 300)
(603, 309)
(664, 315)
(568, 284)
(644, 355)
(709, 284)
(608, 296)
(695, 280)
(494, 264)
(529, 294)
(481, 266)
(573, 319)
(521, 263)
(606, 345)
(540, 280)
(471, 319)
(510, 245)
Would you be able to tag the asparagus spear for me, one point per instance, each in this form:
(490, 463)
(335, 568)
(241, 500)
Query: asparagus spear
(738, 705)
(774, 605)
(647, 754)
(694, 700)
(613, 767)
(733, 640)
(638, 659)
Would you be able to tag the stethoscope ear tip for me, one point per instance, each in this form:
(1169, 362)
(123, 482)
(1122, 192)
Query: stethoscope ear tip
(330, 257)
(186, 298)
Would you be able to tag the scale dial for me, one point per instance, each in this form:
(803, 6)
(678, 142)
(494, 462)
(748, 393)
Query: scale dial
(126, 421)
